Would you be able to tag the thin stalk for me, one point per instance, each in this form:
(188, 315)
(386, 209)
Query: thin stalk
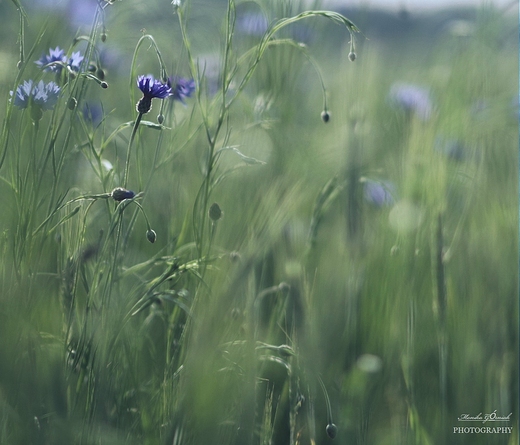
(129, 151)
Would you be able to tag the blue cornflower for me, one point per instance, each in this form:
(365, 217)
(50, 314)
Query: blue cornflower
(43, 96)
(75, 60)
(55, 55)
(57, 60)
(151, 89)
(412, 99)
(379, 193)
(181, 88)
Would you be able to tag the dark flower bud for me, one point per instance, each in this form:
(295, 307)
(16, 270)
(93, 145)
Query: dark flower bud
(160, 118)
(332, 430)
(103, 36)
(144, 105)
(151, 235)
(92, 68)
(325, 116)
(72, 103)
(100, 73)
(120, 194)
(103, 85)
(215, 212)
(352, 56)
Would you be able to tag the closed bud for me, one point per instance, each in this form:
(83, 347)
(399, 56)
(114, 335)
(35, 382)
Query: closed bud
(332, 430)
(160, 118)
(352, 56)
(215, 212)
(100, 73)
(104, 85)
(120, 194)
(325, 116)
(151, 235)
(104, 37)
(72, 103)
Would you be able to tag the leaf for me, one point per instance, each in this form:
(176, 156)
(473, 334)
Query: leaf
(247, 159)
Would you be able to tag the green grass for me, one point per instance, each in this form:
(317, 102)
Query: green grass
(301, 304)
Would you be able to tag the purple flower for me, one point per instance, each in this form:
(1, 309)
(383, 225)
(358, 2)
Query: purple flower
(379, 193)
(75, 61)
(44, 96)
(55, 55)
(412, 99)
(151, 89)
(120, 194)
(58, 59)
(181, 88)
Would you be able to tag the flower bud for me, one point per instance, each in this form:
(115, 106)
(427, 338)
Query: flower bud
(352, 56)
(120, 194)
(151, 235)
(325, 116)
(72, 103)
(215, 212)
(104, 85)
(160, 118)
(332, 430)
(100, 73)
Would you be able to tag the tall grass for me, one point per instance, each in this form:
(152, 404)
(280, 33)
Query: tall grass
(294, 253)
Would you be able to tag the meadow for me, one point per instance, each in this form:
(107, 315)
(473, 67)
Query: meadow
(257, 222)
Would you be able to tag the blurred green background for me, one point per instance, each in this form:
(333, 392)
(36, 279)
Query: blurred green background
(379, 249)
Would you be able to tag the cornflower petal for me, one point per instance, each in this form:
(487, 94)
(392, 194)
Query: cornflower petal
(151, 89)
(55, 55)
(181, 88)
(43, 96)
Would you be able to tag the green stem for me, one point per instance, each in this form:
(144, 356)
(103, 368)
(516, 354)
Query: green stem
(134, 131)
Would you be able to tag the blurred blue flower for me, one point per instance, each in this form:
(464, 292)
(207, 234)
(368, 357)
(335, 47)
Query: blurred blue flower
(412, 99)
(379, 193)
(44, 96)
(181, 88)
(81, 12)
(452, 148)
(151, 89)
(253, 24)
(93, 113)
(55, 55)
